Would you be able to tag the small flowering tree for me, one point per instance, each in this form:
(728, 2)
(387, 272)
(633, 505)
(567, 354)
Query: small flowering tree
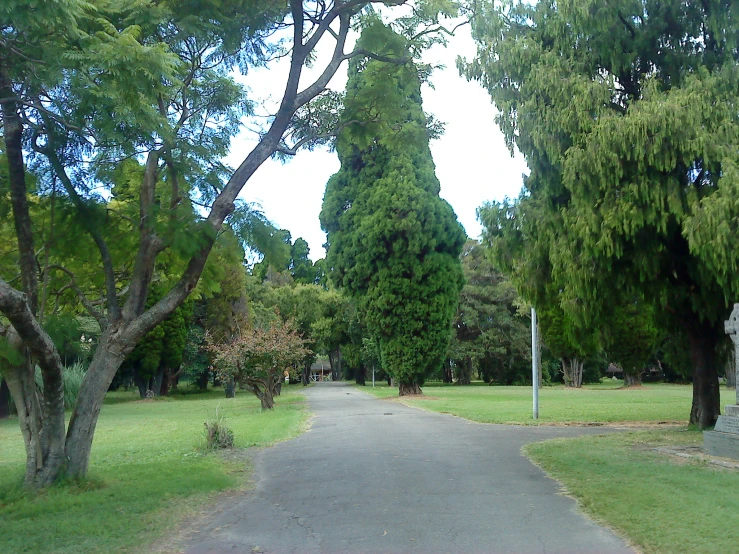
(257, 357)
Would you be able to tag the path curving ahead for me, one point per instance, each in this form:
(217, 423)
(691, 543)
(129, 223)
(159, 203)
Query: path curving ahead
(373, 476)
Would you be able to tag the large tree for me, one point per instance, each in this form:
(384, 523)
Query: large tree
(85, 85)
(490, 332)
(392, 242)
(626, 113)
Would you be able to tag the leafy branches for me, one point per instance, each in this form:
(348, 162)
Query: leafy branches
(256, 357)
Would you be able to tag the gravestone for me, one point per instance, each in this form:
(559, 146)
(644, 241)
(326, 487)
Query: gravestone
(724, 439)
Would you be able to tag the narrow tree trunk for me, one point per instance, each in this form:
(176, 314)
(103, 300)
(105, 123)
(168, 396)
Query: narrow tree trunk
(567, 372)
(577, 366)
(706, 406)
(25, 395)
(361, 375)
(331, 361)
(406, 389)
(572, 372)
(4, 399)
(230, 388)
(731, 372)
(337, 375)
(157, 384)
(305, 375)
(446, 376)
(141, 383)
(465, 372)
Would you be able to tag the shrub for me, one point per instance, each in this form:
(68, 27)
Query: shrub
(217, 435)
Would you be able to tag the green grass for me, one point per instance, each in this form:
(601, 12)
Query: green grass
(147, 471)
(602, 403)
(662, 504)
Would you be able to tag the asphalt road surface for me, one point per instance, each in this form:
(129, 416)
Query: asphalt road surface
(373, 476)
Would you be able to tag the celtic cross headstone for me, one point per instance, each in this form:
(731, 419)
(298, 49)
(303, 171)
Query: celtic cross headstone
(724, 439)
(731, 326)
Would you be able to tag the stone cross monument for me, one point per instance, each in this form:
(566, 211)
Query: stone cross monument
(724, 439)
(732, 329)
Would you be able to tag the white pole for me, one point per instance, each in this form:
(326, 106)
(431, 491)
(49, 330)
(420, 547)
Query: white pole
(534, 364)
(373, 377)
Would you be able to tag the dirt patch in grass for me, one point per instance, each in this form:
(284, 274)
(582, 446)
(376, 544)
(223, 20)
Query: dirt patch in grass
(631, 425)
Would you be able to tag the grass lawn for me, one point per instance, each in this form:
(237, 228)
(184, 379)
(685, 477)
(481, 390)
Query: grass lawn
(663, 504)
(146, 472)
(604, 402)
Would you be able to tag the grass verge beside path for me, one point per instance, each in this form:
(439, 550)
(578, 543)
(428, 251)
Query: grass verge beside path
(146, 472)
(662, 504)
(602, 403)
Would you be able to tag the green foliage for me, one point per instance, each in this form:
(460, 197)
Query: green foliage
(623, 177)
(633, 337)
(564, 337)
(393, 244)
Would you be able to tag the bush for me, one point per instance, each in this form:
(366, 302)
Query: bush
(217, 435)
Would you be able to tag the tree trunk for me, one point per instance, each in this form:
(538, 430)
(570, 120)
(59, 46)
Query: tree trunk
(112, 349)
(465, 372)
(202, 380)
(266, 398)
(157, 380)
(731, 372)
(632, 378)
(337, 375)
(566, 372)
(446, 376)
(361, 376)
(305, 376)
(230, 388)
(331, 361)
(4, 399)
(706, 407)
(141, 383)
(572, 372)
(406, 389)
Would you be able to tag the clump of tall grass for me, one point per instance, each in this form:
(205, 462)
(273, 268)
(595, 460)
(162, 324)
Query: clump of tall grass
(217, 434)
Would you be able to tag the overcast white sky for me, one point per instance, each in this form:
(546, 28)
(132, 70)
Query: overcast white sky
(472, 161)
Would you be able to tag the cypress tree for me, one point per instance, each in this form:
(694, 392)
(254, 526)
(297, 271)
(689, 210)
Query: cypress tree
(392, 242)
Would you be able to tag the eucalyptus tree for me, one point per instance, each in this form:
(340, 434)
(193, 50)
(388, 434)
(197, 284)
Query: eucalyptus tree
(87, 84)
(393, 243)
(626, 114)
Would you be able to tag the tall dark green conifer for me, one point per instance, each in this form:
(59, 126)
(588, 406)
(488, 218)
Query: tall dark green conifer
(392, 242)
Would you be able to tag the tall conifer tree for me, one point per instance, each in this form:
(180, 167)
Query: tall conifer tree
(393, 243)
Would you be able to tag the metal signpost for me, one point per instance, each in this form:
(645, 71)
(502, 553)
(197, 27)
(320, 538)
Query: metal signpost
(535, 363)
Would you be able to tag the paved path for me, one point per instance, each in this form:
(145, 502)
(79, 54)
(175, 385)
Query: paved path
(373, 476)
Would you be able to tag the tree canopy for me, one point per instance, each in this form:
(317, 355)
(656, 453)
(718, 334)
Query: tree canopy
(625, 112)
